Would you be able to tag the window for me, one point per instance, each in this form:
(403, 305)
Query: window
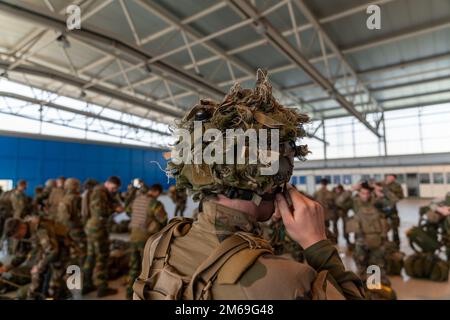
(400, 178)
(347, 179)
(318, 178)
(424, 178)
(328, 178)
(337, 179)
(302, 180)
(294, 180)
(365, 177)
(448, 177)
(378, 177)
(438, 178)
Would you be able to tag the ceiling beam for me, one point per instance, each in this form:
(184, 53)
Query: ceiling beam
(264, 27)
(99, 89)
(334, 48)
(87, 114)
(91, 35)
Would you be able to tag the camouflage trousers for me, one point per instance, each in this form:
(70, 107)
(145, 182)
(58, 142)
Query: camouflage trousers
(136, 254)
(50, 281)
(179, 209)
(393, 221)
(365, 257)
(95, 268)
(79, 250)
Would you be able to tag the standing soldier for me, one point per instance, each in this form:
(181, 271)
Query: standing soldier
(102, 203)
(51, 247)
(69, 215)
(88, 186)
(179, 198)
(326, 198)
(41, 200)
(222, 256)
(370, 228)
(55, 197)
(6, 210)
(393, 219)
(345, 197)
(19, 200)
(147, 218)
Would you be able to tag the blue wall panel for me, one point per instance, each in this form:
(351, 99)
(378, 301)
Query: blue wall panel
(37, 160)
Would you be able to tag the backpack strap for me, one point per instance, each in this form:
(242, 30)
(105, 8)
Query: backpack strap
(157, 250)
(207, 272)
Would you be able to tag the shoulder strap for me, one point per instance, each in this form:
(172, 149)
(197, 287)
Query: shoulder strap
(157, 249)
(207, 272)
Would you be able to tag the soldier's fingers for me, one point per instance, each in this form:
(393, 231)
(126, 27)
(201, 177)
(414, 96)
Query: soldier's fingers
(276, 213)
(283, 208)
(298, 200)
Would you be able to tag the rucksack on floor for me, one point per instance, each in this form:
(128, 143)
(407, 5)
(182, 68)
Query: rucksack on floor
(426, 266)
(422, 238)
(394, 260)
(160, 281)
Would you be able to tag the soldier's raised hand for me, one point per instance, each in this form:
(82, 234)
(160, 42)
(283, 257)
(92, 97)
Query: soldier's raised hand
(305, 221)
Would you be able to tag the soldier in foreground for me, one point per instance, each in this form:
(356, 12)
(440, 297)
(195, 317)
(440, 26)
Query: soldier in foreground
(102, 203)
(221, 255)
(148, 217)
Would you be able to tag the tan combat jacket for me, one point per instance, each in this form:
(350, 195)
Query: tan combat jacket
(270, 277)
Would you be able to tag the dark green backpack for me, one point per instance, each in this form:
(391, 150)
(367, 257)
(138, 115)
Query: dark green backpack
(426, 266)
(423, 238)
(394, 259)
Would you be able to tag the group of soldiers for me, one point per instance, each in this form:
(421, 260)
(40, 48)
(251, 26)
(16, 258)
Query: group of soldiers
(374, 214)
(68, 224)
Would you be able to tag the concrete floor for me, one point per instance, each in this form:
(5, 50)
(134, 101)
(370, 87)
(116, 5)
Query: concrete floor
(406, 287)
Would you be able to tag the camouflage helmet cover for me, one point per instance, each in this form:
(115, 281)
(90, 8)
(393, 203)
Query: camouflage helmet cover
(72, 184)
(242, 109)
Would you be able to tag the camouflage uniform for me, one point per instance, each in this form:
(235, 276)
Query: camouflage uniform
(52, 248)
(41, 200)
(179, 197)
(439, 223)
(148, 217)
(54, 199)
(69, 214)
(6, 210)
(326, 198)
(268, 277)
(344, 199)
(20, 204)
(101, 206)
(206, 242)
(392, 217)
(370, 228)
(19, 267)
(275, 232)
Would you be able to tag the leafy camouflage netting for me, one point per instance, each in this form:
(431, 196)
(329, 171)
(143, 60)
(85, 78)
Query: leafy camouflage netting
(241, 109)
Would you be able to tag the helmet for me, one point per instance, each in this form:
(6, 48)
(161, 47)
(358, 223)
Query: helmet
(89, 184)
(50, 183)
(72, 184)
(242, 110)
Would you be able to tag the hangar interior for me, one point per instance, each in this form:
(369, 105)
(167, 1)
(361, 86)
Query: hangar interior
(101, 100)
